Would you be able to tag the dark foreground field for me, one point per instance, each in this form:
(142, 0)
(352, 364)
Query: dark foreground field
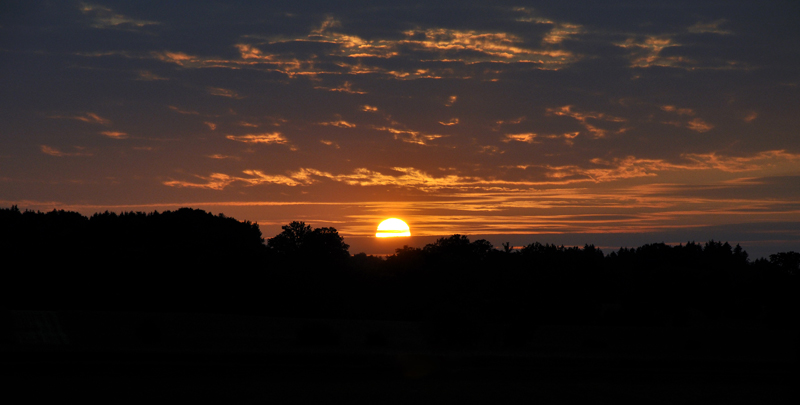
(134, 357)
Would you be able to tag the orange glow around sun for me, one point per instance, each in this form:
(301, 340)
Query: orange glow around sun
(393, 228)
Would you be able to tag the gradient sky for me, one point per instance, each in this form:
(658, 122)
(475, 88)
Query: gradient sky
(617, 123)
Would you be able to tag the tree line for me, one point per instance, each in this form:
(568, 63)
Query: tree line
(191, 260)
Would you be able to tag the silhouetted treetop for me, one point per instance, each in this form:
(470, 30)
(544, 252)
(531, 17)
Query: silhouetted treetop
(298, 240)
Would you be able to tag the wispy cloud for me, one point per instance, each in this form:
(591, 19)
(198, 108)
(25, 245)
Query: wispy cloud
(149, 76)
(104, 17)
(89, 117)
(49, 150)
(339, 123)
(710, 27)
(409, 136)
(591, 121)
(115, 134)
(182, 111)
(219, 156)
(526, 137)
(346, 87)
(265, 138)
(219, 91)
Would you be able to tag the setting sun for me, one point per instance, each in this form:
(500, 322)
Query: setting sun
(392, 228)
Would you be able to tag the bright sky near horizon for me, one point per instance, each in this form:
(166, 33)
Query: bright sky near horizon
(616, 123)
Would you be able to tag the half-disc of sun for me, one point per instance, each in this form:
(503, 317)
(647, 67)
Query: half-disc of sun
(392, 228)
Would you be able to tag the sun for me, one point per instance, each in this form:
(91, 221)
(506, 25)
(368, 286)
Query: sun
(393, 228)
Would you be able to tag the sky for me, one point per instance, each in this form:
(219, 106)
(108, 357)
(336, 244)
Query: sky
(614, 123)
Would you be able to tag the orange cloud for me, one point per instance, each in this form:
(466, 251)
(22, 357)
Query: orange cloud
(340, 124)
(699, 125)
(104, 17)
(527, 137)
(48, 150)
(409, 136)
(115, 134)
(218, 91)
(586, 119)
(149, 76)
(89, 117)
(267, 138)
(679, 111)
(347, 87)
(709, 27)
(452, 121)
(180, 111)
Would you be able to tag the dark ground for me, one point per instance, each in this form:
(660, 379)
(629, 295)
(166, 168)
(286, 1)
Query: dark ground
(136, 357)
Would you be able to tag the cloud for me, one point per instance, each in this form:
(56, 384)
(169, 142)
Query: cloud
(759, 161)
(699, 125)
(104, 17)
(265, 138)
(181, 111)
(218, 91)
(346, 87)
(339, 123)
(212, 126)
(589, 120)
(452, 121)
(409, 136)
(115, 134)
(527, 137)
(49, 150)
(679, 111)
(149, 76)
(709, 27)
(369, 108)
(220, 156)
(89, 117)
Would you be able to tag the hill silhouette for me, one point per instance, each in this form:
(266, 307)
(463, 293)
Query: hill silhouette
(193, 261)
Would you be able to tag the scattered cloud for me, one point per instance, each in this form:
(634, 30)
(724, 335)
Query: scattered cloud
(49, 150)
(329, 143)
(90, 117)
(219, 91)
(212, 126)
(104, 17)
(339, 123)
(409, 136)
(266, 138)
(181, 111)
(115, 134)
(679, 111)
(451, 100)
(369, 108)
(710, 27)
(221, 157)
(698, 125)
(149, 76)
(346, 87)
(527, 137)
(590, 120)
(452, 121)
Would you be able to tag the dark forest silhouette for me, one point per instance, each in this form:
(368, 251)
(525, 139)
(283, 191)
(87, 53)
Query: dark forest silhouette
(191, 260)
